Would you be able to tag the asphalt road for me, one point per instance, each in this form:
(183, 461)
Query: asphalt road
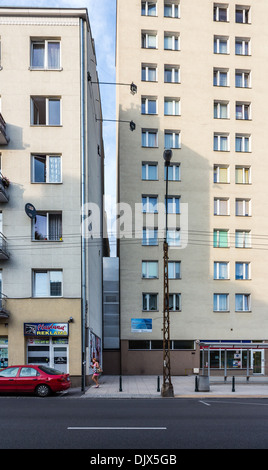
(155, 424)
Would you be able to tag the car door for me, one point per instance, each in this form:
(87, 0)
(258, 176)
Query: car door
(27, 379)
(8, 379)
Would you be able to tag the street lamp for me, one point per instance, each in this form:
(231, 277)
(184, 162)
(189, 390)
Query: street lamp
(167, 387)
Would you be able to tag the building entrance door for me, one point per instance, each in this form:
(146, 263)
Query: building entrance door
(257, 361)
(60, 358)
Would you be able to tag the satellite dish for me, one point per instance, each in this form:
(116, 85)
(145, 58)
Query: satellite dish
(30, 210)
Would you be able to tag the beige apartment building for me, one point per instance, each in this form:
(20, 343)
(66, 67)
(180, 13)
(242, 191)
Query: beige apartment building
(199, 67)
(51, 166)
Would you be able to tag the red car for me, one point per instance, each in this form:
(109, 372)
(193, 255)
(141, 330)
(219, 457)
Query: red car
(41, 380)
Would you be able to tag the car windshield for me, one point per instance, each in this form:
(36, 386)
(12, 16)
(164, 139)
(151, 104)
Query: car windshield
(50, 371)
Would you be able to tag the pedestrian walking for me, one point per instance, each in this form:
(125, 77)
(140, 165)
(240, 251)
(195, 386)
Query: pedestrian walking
(96, 368)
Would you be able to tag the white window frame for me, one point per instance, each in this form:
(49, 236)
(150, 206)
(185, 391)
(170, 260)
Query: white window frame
(216, 46)
(172, 204)
(243, 74)
(172, 269)
(218, 302)
(246, 207)
(147, 67)
(216, 11)
(218, 138)
(146, 100)
(146, 240)
(174, 237)
(246, 111)
(172, 297)
(244, 170)
(217, 206)
(243, 138)
(246, 239)
(218, 104)
(146, 132)
(146, 165)
(174, 69)
(217, 77)
(246, 14)
(244, 41)
(175, 41)
(48, 272)
(175, 9)
(147, 204)
(147, 301)
(217, 173)
(246, 265)
(145, 40)
(48, 214)
(145, 270)
(47, 100)
(218, 232)
(176, 103)
(45, 42)
(146, 4)
(216, 271)
(246, 300)
(47, 168)
(173, 167)
(175, 135)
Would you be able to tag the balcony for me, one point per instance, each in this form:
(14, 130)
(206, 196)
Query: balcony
(3, 136)
(4, 254)
(4, 183)
(4, 313)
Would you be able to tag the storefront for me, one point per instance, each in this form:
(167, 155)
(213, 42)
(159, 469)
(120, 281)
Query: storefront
(3, 352)
(48, 344)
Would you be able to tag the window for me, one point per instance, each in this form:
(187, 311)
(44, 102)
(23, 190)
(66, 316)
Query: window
(149, 237)
(171, 107)
(174, 237)
(221, 174)
(243, 111)
(149, 204)
(171, 41)
(11, 372)
(149, 171)
(220, 238)
(242, 79)
(221, 206)
(45, 111)
(148, 73)
(173, 205)
(47, 226)
(221, 109)
(45, 54)
(149, 302)
(221, 142)
(221, 77)
(243, 207)
(242, 271)
(149, 105)
(242, 303)
(242, 14)
(220, 12)
(174, 302)
(174, 269)
(242, 143)
(172, 74)
(149, 138)
(150, 269)
(221, 270)
(221, 45)
(47, 283)
(242, 46)
(28, 372)
(148, 9)
(174, 172)
(242, 175)
(46, 169)
(221, 303)
(242, 239)
(172, 140)
(149, 40)
(171, 10)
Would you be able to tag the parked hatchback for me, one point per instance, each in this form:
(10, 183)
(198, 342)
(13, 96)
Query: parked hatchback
(41, 380)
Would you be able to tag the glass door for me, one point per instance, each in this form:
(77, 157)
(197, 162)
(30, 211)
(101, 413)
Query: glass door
(258, 361)
(60, 355)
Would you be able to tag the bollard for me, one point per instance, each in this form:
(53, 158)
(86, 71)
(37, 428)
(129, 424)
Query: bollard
(120, 383)
(158, 383)
(233, 384)
(196, 383)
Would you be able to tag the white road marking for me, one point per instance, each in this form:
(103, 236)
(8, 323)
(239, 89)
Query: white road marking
(204, 403)
(95, 428)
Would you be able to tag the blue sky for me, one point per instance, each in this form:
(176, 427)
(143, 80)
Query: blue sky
(102, 16)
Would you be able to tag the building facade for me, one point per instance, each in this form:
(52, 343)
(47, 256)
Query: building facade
(198, 66)
(52, 166)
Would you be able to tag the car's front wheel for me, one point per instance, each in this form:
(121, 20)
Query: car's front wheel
(42, 390)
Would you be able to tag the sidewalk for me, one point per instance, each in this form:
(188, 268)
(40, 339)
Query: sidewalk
(184, 387)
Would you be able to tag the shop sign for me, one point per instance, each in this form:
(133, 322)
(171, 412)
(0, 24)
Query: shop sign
(46, 329)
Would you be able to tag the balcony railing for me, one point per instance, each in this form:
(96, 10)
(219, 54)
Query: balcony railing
(3, 135)
(4, 254)
(4, 183)
(4, 313)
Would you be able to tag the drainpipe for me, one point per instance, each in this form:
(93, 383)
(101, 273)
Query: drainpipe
(83, 197)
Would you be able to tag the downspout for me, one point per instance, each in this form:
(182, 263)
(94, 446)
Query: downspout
(83, 197)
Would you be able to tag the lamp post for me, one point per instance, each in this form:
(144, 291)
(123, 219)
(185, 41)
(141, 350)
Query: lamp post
(167, 387)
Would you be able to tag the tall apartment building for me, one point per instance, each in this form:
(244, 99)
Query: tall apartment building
(199, 68)
(52, 158)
